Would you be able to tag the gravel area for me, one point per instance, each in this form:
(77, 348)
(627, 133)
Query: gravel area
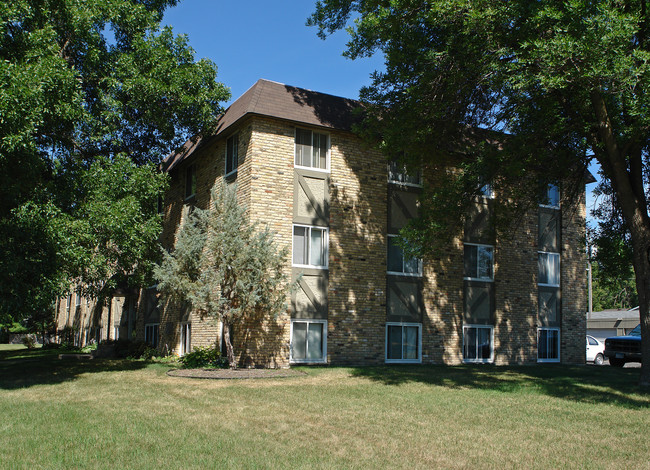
(234, 373)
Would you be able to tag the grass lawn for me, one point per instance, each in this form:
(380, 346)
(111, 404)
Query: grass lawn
(121, 414)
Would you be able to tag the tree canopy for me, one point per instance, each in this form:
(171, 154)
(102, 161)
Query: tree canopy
(562, 82)
(92, 96)
(225, 267)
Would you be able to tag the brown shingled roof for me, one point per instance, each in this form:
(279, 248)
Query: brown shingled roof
(267, 98)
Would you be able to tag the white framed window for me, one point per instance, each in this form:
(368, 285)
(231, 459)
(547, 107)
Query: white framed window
(404, 342)
(398, 264)
(68, 303)
(548, 345)
(232, 154)
(549, 269)
(398, 174)
(310, 246)
(151, 331)
(186, 338)
(190, 181)
(78, 299)
(479, 262)
(116, 332)
(478, 343)
(308, 341)
(551, 197)
(312, 150)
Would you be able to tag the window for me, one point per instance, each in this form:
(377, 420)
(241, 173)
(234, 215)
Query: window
(479, 262)
(549, 269)
(151, 334)
(116, 332)
(398, 174)
(190, 181)
(310, 246)
(548, 345)
(312, 150)
(308, 340)
(403, 342)
(232, 154)
(551, 196)
(398, 263)
(160, 206)
(78, 299)
(186, 338)
(477, 343)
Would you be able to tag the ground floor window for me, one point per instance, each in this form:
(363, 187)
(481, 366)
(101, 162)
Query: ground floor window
(186, 338)
(151, 334)
(308, 340)
(548, 345)
(116, 332)
(478, 343)
(403, 342)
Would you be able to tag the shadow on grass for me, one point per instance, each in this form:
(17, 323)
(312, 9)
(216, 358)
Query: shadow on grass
(23, 368)
(586, 384)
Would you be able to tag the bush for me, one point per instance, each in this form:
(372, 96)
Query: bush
(89, 348)
(52, 346)
(201, 357)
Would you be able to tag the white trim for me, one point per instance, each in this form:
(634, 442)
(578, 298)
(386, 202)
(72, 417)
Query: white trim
(323, 360)
(158, 334)
(552, 206)
(403, 361)
(326, 241)
(479, 361)
(182, 336)
(327, 168)
(190, 196)
(559, 268)
(225, 159)
(480, 279)
(402, 183)
(559, 343)
(401, 273)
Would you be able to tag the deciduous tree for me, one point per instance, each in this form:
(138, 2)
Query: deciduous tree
(567, 82)
(86, 88)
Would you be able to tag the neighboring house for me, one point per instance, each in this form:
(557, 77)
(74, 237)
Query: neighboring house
(81, 320)
(612, 322)
(338, 206)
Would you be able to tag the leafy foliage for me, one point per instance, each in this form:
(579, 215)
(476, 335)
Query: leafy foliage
(225, 266)
(517, 92)
(202, 357)
(92, 96)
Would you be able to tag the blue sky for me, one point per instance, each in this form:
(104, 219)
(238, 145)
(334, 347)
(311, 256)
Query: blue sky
(253, 39)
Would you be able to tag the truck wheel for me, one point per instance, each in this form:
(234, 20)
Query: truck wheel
(616, 362)
(598, 360)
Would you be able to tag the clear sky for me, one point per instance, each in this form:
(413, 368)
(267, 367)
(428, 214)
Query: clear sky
(253, 39)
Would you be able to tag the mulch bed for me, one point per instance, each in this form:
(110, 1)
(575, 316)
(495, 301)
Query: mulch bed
(234, 373)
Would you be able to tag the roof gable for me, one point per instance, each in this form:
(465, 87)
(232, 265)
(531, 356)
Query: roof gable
(272, 99)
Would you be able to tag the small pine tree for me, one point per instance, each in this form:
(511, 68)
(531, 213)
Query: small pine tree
(226, 267)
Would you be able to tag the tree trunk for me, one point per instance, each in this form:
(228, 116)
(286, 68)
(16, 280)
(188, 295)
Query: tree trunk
(229, 351)
(624, 170)
(641, 259)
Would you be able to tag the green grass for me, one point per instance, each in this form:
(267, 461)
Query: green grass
(112, 414)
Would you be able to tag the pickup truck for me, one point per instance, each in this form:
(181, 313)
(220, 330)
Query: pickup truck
(622, 349)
